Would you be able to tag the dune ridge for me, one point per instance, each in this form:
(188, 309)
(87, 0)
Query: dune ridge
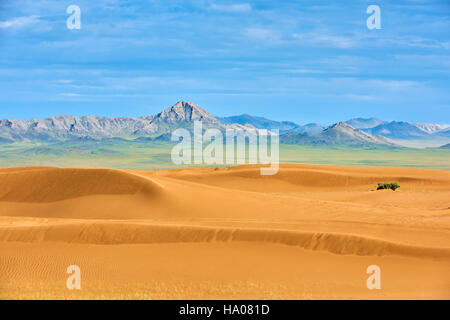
(47, 184)
(51, 184)
(292, 177)
(119, 233)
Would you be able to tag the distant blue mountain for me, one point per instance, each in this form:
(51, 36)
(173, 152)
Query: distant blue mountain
(398, 130)
(443, 133)
(340, 133)
(264, 123)
(365, 123)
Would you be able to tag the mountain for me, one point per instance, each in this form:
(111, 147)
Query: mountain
(310, 128)
(65, 127)
(263, 123)
(431, 128)
(159, 127)
(398, 130)
(5, 140)
(365, 123)
(340, 133)
(447, 146)
(61, 128)
(443, 133)
(182, 114)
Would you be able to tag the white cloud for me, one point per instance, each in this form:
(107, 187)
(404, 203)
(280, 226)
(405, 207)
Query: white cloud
(69, 94)
(63, 81)
(262, 34)
(244, 7)
(325, 40)
(360, 97)
(19, 22)
(346, 70)
(305, 71)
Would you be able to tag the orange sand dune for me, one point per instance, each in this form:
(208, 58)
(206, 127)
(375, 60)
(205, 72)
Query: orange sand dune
(224, 233)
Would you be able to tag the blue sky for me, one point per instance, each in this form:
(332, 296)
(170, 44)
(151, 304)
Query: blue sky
(305, 61)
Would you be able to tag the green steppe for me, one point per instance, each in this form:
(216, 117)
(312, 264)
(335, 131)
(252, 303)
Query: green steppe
(123, 154)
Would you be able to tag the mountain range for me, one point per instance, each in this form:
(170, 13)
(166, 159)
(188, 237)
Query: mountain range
(263, 123)
(340, 133)
(400, 129)
(354, 132)
(60, 128)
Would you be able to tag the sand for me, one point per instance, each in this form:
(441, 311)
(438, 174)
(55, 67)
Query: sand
(309, 232)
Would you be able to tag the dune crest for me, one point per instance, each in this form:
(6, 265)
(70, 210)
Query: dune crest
(119, 233)
(301, 177)
(42, 185)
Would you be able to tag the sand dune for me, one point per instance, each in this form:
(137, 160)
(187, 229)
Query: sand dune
(300, 177)
(119, 233)
(327, 211)
(55, 184)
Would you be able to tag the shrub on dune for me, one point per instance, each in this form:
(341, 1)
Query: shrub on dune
(385, 186)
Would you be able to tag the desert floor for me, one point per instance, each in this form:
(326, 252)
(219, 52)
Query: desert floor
(309, 232)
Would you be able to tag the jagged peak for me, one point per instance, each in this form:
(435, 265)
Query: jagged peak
(342, 124)
(185, 111)
(186, 105)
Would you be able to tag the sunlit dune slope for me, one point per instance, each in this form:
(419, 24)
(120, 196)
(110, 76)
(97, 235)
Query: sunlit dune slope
(54, 184)
(320, 207)
(125, 233)
(332, 216)
(293, 178)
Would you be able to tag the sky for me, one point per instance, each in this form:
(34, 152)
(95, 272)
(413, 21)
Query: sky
(303, 61)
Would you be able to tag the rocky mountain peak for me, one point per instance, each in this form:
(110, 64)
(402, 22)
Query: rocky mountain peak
(341, 125)
(185, 111)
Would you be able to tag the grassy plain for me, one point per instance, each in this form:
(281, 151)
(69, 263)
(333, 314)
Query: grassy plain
(122, 154)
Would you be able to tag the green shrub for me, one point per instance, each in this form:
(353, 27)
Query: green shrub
(393, 186)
